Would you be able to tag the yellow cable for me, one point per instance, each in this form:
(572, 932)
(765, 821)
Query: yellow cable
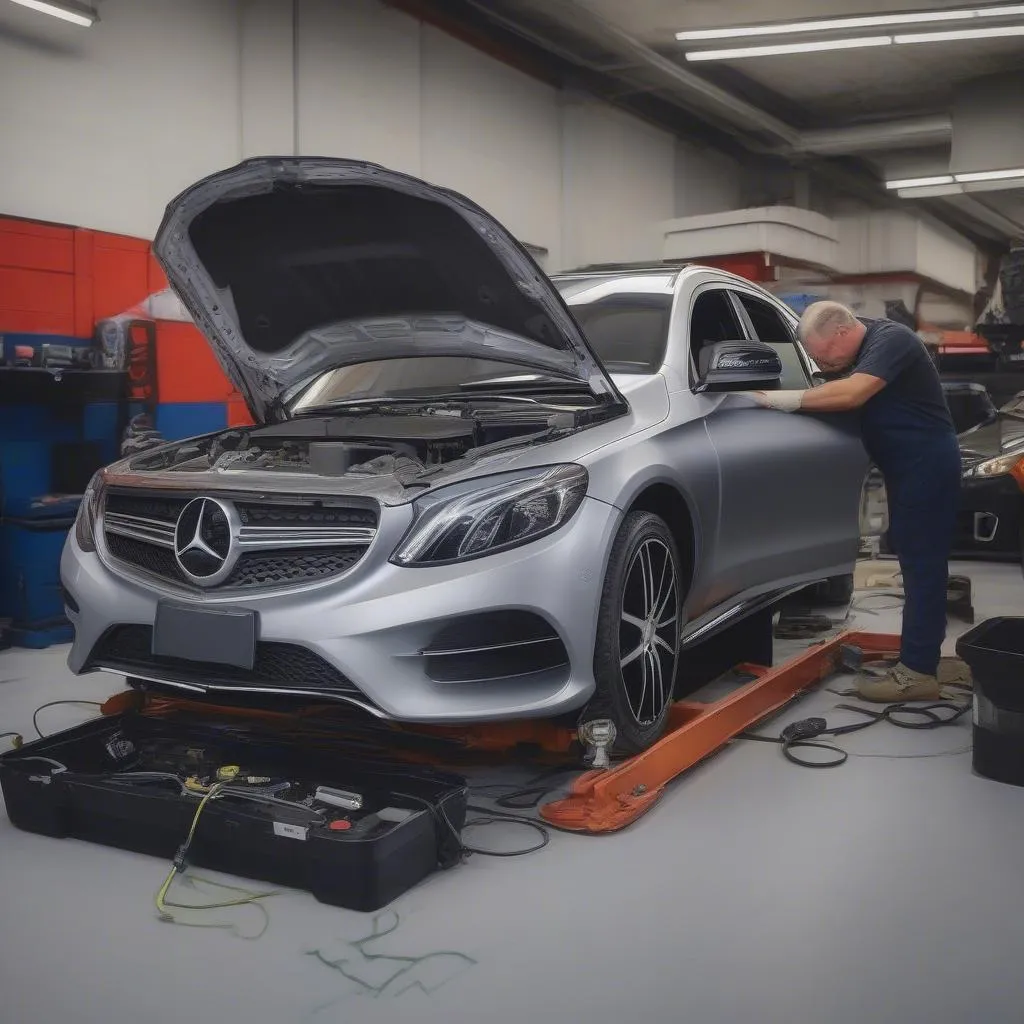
(162, 903)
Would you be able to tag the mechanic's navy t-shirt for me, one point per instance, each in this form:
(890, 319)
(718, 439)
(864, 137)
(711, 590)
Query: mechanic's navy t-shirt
(910, 411)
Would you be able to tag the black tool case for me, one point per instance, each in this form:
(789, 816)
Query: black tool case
(79, 784)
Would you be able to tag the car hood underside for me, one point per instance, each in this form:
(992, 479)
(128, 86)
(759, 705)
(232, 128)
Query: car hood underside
(295, 266)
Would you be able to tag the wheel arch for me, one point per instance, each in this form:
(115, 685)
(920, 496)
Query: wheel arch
(667, 501)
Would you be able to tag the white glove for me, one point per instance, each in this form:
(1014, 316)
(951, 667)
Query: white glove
(783, 401)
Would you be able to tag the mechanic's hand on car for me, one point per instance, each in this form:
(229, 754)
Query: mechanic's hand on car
(783, 401)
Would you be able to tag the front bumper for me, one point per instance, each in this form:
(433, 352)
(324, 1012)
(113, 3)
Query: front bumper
(402, 639)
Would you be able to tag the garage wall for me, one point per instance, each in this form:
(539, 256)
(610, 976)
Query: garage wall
(100, 127)
(618, 179)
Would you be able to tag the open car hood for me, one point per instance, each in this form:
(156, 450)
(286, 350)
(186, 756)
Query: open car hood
(294, 266)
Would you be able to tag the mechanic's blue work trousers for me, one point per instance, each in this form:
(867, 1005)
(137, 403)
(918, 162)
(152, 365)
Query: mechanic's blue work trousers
(923, 487)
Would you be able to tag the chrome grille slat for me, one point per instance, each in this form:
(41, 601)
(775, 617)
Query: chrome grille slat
(140, 528)
(256, 537)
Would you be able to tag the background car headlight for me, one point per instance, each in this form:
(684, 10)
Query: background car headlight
(999, 466)
(491, 515)
(85, 523)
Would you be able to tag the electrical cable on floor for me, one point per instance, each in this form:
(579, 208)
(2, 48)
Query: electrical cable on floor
(809, 733)
(530, 794)
(491, 817)
(914, 757)
(15, 737)
(53, 704)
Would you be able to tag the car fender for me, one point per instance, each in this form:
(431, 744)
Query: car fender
(681, 457)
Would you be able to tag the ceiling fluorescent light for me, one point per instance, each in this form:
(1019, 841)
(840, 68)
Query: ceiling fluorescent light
(935, 179)
(77, 14)
(930, 192)
(783, 28)
(781, 48)
(962, 33)
(1016, 172)
(1002, 185)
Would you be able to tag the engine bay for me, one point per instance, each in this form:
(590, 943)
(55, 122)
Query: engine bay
(407, 442)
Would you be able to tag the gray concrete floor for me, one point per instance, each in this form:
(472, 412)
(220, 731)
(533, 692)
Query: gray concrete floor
(888, 890)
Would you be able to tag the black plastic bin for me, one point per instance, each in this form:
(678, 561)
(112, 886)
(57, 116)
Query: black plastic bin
(994, 650)
(357, 868)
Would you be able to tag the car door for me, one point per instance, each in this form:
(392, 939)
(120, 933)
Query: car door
(789, 483)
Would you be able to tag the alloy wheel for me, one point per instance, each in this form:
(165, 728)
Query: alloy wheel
(649, 631)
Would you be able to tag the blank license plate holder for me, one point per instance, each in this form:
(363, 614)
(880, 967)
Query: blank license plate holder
(221, 636)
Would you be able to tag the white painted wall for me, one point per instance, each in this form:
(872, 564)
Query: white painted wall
(100, 127)
(618, 181)
(494, 134)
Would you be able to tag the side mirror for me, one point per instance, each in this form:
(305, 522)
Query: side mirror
(735, 365)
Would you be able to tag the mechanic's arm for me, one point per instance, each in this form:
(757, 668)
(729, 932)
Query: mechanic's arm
(841, 395)
(834, 396)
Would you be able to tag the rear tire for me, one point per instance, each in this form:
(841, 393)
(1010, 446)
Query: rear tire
(638, 630)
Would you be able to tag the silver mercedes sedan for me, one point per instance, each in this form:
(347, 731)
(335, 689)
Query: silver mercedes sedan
(473, 493)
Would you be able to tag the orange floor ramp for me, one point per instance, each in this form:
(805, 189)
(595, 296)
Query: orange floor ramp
(610, 799)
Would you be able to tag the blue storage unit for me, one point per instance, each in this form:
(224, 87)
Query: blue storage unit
(25, 470)
(30, 548)
(179, 420)
(101, 422)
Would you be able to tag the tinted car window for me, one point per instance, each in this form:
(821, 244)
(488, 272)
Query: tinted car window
(771, 329)
(712, 320)
(625, 319)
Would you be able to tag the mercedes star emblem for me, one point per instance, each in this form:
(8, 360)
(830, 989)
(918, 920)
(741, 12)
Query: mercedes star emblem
(204, 541)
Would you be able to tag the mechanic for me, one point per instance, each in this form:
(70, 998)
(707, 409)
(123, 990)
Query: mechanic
(885, 371)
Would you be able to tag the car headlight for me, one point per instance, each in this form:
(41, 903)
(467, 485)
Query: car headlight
(999, 466)
(85, 522)
(490, 515)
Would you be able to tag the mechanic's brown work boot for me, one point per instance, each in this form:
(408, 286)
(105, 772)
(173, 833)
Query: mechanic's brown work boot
(899, 684)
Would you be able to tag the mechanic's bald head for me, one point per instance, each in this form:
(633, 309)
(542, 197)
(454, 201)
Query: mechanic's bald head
(832, 335)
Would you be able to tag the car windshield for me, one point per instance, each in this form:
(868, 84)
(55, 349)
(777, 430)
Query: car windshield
(625, 318)
(415, 377)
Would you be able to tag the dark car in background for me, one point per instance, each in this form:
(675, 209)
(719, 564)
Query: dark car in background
(970, 404)
(990, 520)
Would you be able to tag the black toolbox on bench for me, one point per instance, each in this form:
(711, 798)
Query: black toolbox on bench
(78, 783)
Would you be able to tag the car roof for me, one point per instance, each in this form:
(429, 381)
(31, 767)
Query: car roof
(675, 270)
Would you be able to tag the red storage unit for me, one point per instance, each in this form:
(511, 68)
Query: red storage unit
(37, 278)
(61, 280)
(186, 366)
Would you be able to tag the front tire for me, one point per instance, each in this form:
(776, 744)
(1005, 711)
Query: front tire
(638, 631)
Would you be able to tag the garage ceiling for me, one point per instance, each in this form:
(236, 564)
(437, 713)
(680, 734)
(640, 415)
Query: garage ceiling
(851, 114)
(855, 84)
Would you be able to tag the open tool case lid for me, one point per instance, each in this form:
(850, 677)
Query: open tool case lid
(78, 783)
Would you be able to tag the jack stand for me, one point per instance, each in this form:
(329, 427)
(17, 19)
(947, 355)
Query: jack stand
(597, 737)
